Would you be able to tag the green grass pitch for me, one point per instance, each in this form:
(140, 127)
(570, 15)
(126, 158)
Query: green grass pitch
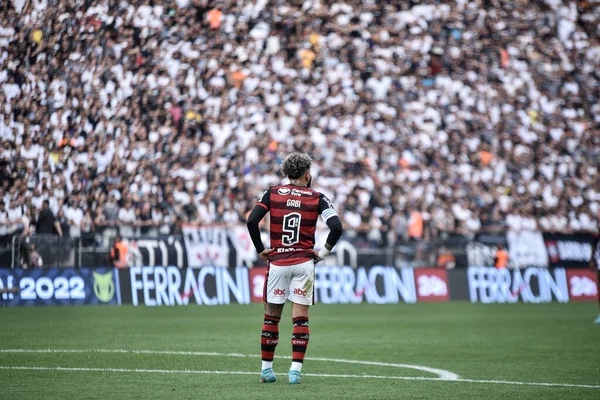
(164, 350)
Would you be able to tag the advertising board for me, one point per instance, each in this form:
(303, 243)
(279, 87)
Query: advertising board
(529, 285)
(170, 286)
(583, 284)
(432, 285)
(57, 286)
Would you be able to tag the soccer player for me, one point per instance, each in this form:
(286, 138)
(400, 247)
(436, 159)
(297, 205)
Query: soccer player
(595, 264)
(291, 259)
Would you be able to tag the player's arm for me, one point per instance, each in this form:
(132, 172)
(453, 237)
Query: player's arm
(256, 215)
(334, 224)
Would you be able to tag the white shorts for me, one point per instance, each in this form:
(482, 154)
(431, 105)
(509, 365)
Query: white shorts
(292, 282)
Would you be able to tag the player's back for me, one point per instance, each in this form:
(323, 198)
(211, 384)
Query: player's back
(294, 213)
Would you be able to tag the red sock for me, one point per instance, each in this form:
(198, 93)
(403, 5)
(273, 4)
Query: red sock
(269, 337)
(300, 336)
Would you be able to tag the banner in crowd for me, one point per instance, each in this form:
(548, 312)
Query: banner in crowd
(482, 251)
(232, 246)
(245, 254)
(206, 245)
(569, 251)
(196, 247)
(479, 253)
(54, 286)
(161, 251)
(526, 249)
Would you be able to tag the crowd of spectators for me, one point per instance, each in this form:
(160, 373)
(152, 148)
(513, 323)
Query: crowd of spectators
(424, 118)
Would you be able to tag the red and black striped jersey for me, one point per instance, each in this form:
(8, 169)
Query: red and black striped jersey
(294, 213)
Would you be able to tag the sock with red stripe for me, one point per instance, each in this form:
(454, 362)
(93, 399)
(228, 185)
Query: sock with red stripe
(269, 340)
(300, 336)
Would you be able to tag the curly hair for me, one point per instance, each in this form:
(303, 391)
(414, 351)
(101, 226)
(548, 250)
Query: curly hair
(295, 165)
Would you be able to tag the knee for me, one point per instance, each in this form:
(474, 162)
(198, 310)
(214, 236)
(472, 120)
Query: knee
(273, 310)
(299, 310)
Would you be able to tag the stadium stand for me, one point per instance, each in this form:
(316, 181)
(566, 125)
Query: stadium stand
(425, 118)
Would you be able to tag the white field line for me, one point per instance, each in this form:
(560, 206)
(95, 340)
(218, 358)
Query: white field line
(191, 371)
(443, 374)
(188, 371)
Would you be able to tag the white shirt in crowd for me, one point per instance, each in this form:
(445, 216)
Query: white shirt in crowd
(14, 218)
(75, 216)
(3, 222)
(127, 217)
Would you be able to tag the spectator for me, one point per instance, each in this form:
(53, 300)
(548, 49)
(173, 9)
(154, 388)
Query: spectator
(74, 216)
(46, 224)
(415, 225)
(425, 104)
(87, 229)
(146, 220)
(4, 235)
(15, 215)
(126, 219)
(111, 214)
(118, 253)
(62, 227)
(501, 259)
(166, 221)
(446, 259)
(31, 259)
(26, 220)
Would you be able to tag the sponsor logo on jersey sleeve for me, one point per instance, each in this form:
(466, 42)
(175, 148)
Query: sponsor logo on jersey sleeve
(330, 211)
(262, 196)
(329, 203)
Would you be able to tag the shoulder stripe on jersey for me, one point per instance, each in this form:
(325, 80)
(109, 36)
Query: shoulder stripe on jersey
(262, 205)
(328, 214)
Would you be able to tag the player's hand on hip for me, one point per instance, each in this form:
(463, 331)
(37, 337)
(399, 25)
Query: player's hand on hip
(321, 254)
(265, 254)
(317, 258)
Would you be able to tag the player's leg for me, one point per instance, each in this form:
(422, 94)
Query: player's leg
(276, 287)
(300, 338)
(270, 333)
(301, 296)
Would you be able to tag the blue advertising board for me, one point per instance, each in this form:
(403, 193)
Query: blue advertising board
(56, 286)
